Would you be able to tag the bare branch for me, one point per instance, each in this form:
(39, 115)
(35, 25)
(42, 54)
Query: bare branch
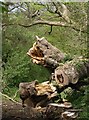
(63, 12)
(36, 13)
(53, 23)
(50, 23)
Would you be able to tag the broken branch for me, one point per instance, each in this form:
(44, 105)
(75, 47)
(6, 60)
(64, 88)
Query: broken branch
(11, 99)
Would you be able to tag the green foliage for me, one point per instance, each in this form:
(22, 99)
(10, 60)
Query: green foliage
(79, 99)
(3, 7)
(66, 93)
(80, 64)
(18, 67)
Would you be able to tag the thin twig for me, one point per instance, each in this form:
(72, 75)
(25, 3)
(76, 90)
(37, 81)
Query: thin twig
(15, 94)
(11, 99)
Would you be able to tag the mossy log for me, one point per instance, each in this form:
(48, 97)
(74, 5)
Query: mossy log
(71, 72)
(45, 54)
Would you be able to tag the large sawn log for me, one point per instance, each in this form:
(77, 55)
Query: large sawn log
(71, 72)
(14, 111)
(36, 94)
(45, 54)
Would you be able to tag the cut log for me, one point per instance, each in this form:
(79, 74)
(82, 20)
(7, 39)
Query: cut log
(13, 111)
(38, 94)
(71, 72)
(45, 54)
(65, 111)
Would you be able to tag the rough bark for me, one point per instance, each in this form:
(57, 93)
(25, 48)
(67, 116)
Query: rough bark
(71, 72)
(44, 53)
(37, 94)
(62, 111)
(47, 55)
(13, 111)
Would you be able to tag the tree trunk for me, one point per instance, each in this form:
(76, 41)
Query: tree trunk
(45, 54)
(13, 111)
(71, 72)
(35, 94)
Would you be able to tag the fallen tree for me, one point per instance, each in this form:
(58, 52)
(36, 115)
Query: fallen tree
(38, 98)
(36, 94)
(14, 111)
(45, 54)
(71, 72)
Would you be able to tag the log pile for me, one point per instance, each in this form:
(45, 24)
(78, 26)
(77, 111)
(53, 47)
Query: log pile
(67, 73)
(41, 97)
(38, 99)
(14, 111)
(47, 55)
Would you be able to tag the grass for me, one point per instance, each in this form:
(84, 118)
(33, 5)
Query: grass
(18, 40)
